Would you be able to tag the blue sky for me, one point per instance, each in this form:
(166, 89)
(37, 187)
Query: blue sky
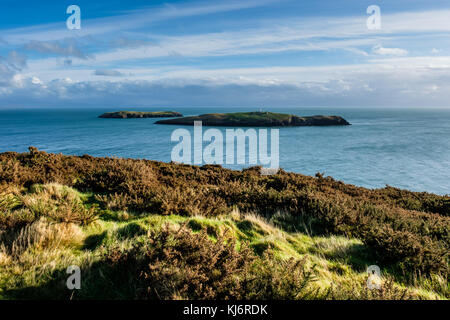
(246, 53)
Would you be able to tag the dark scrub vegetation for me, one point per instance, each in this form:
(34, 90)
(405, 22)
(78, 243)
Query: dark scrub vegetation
(405, 232)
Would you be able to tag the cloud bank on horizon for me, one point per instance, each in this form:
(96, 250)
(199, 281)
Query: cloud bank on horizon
(225, 53)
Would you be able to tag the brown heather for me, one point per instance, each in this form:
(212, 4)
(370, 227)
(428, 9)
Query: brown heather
(408, 230)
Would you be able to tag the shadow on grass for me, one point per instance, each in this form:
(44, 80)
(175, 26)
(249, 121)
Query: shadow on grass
(94, 241)
(99, 280)
(131, 230)
(357, 256)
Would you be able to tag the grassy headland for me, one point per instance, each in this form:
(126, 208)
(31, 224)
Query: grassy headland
(146, 229)
(257, 119)
(140, 114)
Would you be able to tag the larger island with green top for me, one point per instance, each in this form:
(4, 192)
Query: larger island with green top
(257, 119)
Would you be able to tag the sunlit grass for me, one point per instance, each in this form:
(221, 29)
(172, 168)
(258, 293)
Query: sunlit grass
(34, 257)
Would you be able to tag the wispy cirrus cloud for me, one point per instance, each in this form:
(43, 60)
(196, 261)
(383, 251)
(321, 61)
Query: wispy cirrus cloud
(319, 34)
(68, 48)
(130, 20)
(331, 57)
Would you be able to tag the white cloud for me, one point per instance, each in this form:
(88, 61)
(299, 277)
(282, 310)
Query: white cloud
(400, 81)
(108, 73)
(36, 80)
(10, 65)
(389, 51)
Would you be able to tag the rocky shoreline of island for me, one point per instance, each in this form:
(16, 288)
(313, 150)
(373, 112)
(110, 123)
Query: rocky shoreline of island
(257, 119)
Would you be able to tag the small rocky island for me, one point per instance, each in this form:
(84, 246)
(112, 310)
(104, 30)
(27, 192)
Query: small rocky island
(257, 119)
(140, 114)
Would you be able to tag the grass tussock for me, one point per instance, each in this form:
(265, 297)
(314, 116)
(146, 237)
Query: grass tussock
(54, 201)
(42, 234)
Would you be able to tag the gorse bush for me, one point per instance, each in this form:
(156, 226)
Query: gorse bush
(409, 230)
(179, 264)
(272, 279)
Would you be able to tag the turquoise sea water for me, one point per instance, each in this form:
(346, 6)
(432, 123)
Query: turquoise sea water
(402, 148)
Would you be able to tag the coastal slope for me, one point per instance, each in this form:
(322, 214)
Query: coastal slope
(141, 229)
(258, 119)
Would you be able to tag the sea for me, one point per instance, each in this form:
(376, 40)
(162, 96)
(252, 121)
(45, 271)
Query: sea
(399, 147)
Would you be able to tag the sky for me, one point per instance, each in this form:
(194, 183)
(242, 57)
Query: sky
(249, 53)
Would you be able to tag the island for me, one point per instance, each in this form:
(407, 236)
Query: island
(140, 114)
(257, 119)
